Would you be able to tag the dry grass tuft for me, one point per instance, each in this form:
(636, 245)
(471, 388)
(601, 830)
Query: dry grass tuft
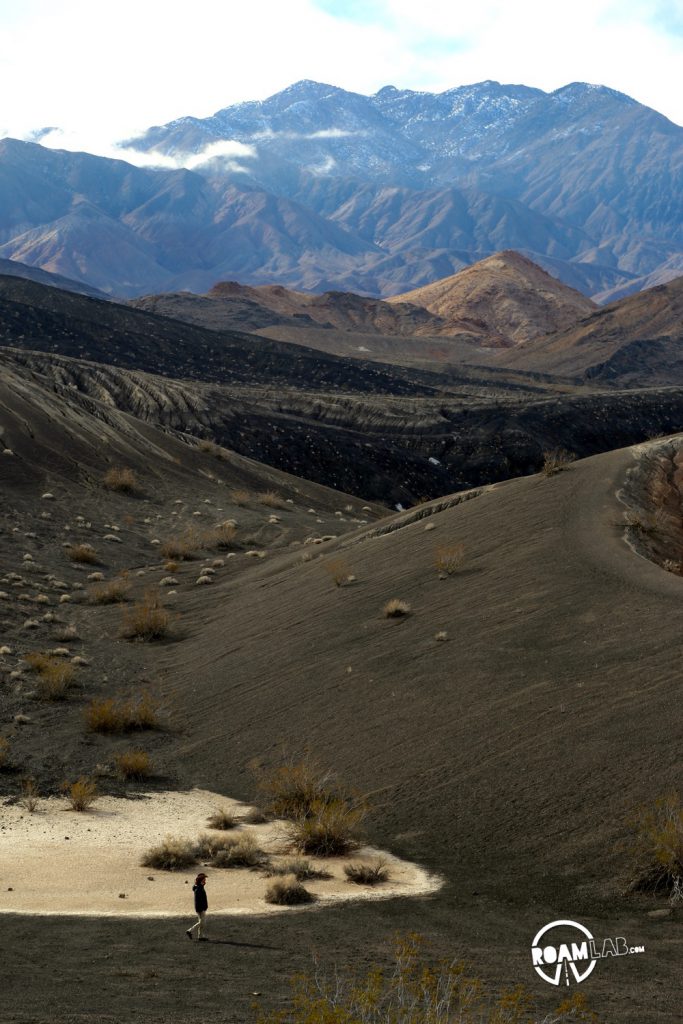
(81, 794)
(147, 619)
(54, 676)
(183, 547)
(114, 591)
(556, 461)
(219, 537)
(4, 750)
(271, 499)
(172, 854)
(240, 497)
(222, 819)
(117, 716)
(659, 845)
(449, 559)
(287, 891)
(396, 609)
(300, 867)
(339, 571)
(122, 480)
(134, 764)
(171, 566)
(29, 795)
(238, 852)
(83, 553)
(368, 874)
(290, 789)
(330, 829)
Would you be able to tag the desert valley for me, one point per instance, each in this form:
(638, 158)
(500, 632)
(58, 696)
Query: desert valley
(341, 557)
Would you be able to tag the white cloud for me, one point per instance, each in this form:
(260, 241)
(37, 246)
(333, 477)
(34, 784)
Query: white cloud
(106, 71)
(229, 152)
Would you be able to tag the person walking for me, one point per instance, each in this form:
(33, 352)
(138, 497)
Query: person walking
(201, 905)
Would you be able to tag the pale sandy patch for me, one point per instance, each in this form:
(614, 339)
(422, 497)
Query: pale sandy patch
(44, 872)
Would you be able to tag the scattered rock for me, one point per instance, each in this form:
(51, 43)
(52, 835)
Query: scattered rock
(659, 915)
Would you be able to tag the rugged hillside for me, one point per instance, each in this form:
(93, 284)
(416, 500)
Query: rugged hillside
(500, 301)
(638, 339)
(505, 300)
(372, 194)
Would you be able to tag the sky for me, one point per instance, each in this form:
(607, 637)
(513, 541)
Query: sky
(102, 71)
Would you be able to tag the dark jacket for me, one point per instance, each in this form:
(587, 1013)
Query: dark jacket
(200, 901)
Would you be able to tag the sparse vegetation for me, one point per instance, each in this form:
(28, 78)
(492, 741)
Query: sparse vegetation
(330, 828)
(4, 750)
(447, 560)
(417, 989)
(54, 675)
(556, 461)
(183, 547)
(240, 497)
(290, 789)
(172, 854)
(396, 609)
(122, 480)
(83, 553)
(659, 845)
(300, 867)
(117, 716)
(29, 795)
(219, 537)
(367, 874)
(134, 764)
(81, 794)
(114, 591)
(222, 819)
(147, 619)
(238, 852)
(287, 891)
(271, 499)
(339, 571)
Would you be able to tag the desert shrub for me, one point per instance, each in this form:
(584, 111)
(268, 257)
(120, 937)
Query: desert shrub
(449, 559)
(134, 764)
(290, 789)
(83, 553)
(556, 461)
(416, 988)
(121, 479)
(54, 675)
(367, 874)
(147, 619)
(81, 794)
(114, 591)
(238, 852)
(29, 795)
(171, 566)
(330, 828)
(271, 499)
(4, 750)
(254, 816)
(301, 868)
(396, 609)
(287, 891)
(219, 537)
(210, 447)
(240, 497)
(222, 819)
(114, 716)
(658, 857)
(172, 854)
(338, 570)
(183, 547)
(207, 846)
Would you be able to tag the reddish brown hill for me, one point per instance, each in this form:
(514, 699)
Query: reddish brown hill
(638, 337)
(505, 299)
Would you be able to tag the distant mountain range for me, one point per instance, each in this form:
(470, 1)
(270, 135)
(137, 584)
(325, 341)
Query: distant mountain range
(317, 188)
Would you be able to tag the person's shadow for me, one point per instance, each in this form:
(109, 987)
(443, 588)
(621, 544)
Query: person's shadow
(245, 945)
